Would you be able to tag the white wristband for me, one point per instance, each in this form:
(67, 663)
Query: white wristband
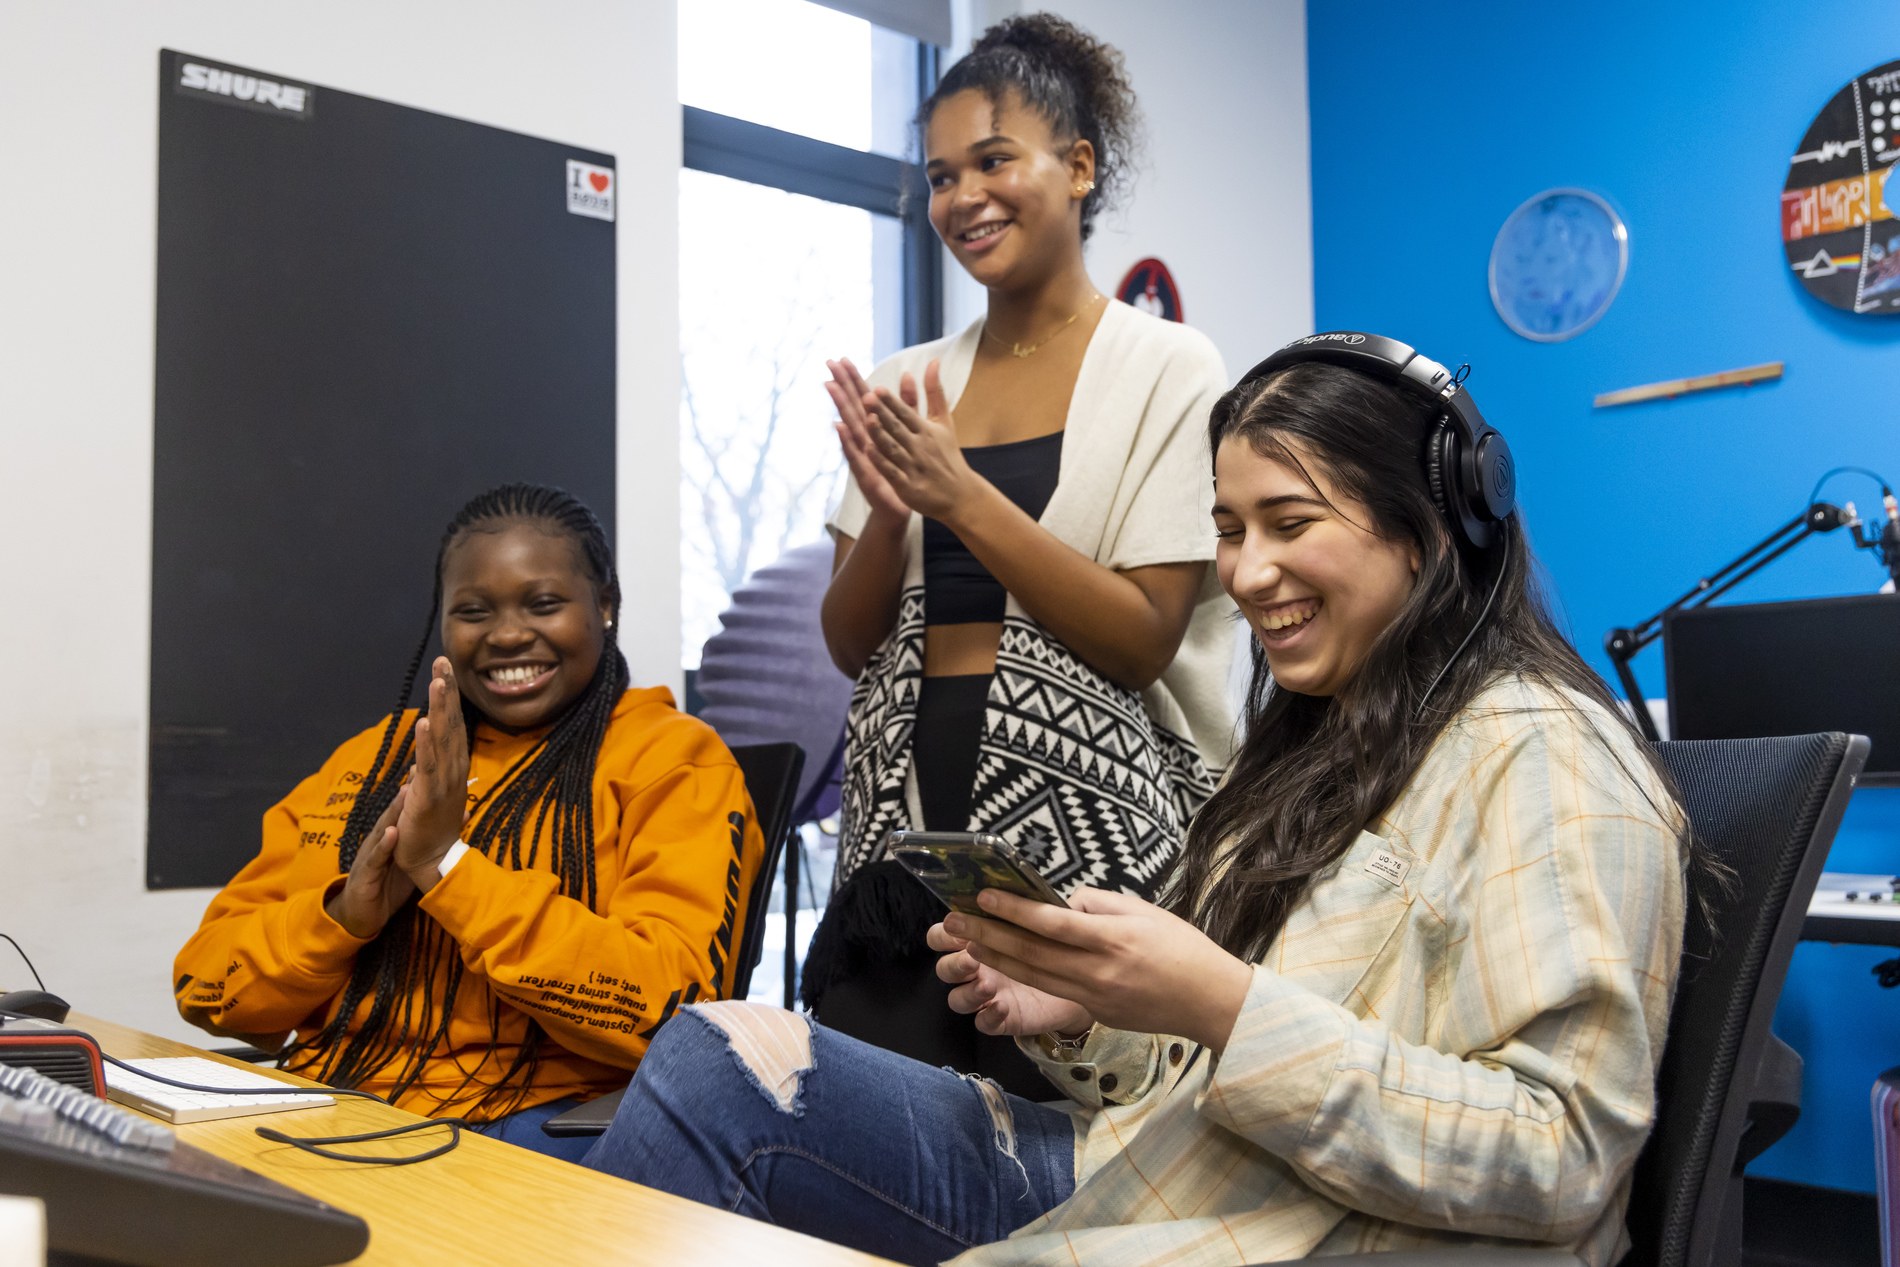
(449, 859)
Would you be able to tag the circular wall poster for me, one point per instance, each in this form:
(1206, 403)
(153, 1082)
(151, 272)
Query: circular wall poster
(1150, 287)
(1557, 264)
(1840, 215)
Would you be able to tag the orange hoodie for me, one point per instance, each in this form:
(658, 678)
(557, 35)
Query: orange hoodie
(676, 848)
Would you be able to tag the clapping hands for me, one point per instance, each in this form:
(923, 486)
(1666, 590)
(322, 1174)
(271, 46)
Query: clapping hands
(374, 890)
(902, 451)
(437, 802)
(400, 853)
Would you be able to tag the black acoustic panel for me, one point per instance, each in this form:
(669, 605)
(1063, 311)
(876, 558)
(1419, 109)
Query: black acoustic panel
(367, 313)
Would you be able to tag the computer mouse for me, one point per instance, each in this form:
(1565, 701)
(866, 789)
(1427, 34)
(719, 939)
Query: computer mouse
(48, 1007)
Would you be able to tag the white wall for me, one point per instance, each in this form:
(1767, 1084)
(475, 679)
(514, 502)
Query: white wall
(78, 180)
(1222, 195)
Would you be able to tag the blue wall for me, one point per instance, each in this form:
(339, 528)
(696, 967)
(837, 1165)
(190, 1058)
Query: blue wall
(1430, 124)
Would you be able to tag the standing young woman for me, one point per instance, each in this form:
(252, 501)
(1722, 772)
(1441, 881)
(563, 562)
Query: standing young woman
(1411, 984)
(1022, 585)
(500, 936)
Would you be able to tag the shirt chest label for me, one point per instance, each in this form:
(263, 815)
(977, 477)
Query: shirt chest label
(1388, 866)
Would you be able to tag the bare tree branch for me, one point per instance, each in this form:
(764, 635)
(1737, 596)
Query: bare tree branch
(753, 494)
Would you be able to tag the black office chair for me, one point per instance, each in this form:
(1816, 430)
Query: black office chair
(1728, 1088)
(771, 777)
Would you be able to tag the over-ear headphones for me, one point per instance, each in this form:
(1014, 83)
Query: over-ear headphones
(1468, 465)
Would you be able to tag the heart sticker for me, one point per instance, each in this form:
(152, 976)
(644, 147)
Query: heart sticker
(590, 190)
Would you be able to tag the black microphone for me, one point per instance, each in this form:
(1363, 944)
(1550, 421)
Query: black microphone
(1826, 517)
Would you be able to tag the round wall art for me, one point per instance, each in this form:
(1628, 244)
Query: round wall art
(1557, 263)
(1840, 214)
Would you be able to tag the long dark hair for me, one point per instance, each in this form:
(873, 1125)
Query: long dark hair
(1312, 772)
(1078, 84)
(398, 971)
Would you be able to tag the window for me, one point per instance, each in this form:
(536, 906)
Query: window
(796, 246)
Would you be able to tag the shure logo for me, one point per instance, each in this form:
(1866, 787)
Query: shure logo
(242, 88)
(1328, 338)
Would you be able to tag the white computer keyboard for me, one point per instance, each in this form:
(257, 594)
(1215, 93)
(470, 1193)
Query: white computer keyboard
(1851, 895)
(175, 1104)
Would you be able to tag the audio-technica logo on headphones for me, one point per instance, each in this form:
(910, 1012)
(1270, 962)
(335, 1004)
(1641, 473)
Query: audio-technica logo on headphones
(1503, 478)
(1347, 339)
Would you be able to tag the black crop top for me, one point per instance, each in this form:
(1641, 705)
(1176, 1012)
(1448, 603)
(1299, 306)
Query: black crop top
(958, 589)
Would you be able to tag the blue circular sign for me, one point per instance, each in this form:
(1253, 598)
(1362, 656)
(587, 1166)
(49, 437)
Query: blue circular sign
(1557, 264)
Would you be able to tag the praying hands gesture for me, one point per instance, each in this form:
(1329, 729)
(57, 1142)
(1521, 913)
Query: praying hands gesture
(1111, 957)
(374, 890)
(436, 804)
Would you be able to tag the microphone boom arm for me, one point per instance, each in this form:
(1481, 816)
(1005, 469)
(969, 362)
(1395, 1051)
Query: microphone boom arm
(1622, 644)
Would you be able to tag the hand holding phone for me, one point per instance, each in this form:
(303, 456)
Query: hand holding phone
(956, 866)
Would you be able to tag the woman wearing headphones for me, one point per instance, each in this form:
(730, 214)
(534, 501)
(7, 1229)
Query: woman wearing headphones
(1408, 988)
(1022, 588)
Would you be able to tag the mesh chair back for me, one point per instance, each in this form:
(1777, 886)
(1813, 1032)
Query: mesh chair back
(1768, 808)
(771, 777)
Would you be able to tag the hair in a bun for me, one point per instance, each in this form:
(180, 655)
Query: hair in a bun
(1075, 81)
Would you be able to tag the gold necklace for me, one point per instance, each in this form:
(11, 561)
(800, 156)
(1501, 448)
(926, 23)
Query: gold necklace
(1020, 350)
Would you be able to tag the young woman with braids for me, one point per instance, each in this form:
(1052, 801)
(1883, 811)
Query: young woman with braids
(486, 911)
(1022, 586)
(1409, 987)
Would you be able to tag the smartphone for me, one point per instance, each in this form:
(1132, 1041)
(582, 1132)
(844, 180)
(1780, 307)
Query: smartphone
(956, 865)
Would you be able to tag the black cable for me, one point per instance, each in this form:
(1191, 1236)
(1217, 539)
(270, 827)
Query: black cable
(1476, 625)
(28, 962)
(314, 1143)
(1829, 474)
(311, 1144)
(285, 1089)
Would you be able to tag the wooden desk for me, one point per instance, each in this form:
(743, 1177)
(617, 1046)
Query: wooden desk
(485, 1202)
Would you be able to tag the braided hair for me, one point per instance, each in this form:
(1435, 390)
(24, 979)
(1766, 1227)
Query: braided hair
(406, 972)
(1077, 83)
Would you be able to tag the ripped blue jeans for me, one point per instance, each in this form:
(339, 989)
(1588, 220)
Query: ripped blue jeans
(757, 1110)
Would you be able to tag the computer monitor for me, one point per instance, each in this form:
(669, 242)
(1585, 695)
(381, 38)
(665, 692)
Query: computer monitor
(1741, 671)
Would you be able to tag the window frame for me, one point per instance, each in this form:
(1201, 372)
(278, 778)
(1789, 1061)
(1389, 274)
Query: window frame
(761, 155)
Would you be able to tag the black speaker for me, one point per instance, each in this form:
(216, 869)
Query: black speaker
(62, 1054)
